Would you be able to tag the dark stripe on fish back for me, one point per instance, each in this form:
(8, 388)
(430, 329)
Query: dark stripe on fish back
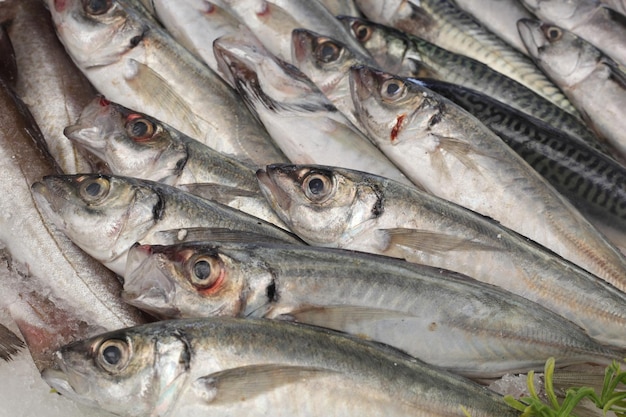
(586, 176)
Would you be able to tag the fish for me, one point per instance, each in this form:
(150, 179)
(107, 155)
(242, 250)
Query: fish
(286, 101)
(225, 366)
(594, 82)
(406, 55)
(53, 88)
(106, 214)
(473, 329)
(591, 20)
(444, 24)
(340, 208)
(134, 144)
(133, 62)
(454, 156)
(592, 181)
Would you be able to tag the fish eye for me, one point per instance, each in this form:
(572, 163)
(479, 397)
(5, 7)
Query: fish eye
(94, 189)
(328, 51)
(113, 355)
(393, 89)
(96, 7)
(553, 33)
(139, 128)
(317, 187)
(207, 272)
(362, 32)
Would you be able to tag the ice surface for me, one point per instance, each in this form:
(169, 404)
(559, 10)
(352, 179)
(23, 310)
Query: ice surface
(24, 394)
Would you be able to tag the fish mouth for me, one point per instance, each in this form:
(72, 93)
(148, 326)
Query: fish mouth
(532, 35)
(49, 196)
(274, 193)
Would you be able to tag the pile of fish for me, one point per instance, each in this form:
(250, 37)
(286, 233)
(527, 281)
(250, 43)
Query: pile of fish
(311, 207)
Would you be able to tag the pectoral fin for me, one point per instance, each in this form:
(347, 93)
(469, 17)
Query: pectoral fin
(237, 384)
(145, 81)
(431, 242)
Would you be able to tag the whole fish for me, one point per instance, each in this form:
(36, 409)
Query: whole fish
(226, 367)
(105, 215)
(446, 25)
(133, 144)
(473, 329)
(591, 20)
(134, 62)
(454, 156)
(347, 209)
(406, 55)
(592, 181)
(286, 101)
(49, 82)
(593, 81)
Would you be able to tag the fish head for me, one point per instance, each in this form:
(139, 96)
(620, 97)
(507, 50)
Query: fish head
(565, 57)
(391, 108)
(566, 13)
(124, 372)
(265, 81)
(130, 143)
(324, 60)
(96, 32)
(387, 46)
(322, 205)
(184, 280)
(104, 215)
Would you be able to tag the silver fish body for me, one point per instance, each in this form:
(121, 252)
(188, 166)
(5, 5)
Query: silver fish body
(474, 329)
(49, 82)
(336, 207)
(105, 215)
(499, 16)
(454, 156)
(249, 367)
